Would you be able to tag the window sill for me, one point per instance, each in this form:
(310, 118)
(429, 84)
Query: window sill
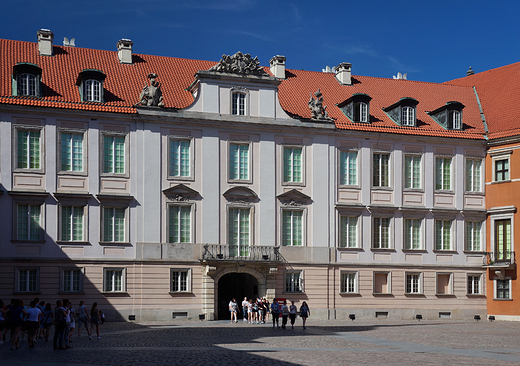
(27, 292)
(114, 175)
(475, 193)
(414, 190)
(179, 178)
(415, 295)
(476, 295)
(116, 243)
(350, 294)
(297, 184)
(29, 171)
(351, 249)
(474, 252)
(445, 295)
(444, 191)
(293, 292)
(17, 241)
(74, 173)
(349, 186)
(383, 249)
(421, 250)
(374, 188)
(71, 293)
(382, 294)
(240, 181)
(501, 181)
(65, 242)
(445, 251)
(115, 293)
(502, 299)
(173, 293)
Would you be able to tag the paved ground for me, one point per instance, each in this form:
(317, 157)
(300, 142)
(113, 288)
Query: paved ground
(377, 342)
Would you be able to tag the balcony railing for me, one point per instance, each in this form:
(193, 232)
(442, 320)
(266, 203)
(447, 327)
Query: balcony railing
(241, 253)
(499, 259)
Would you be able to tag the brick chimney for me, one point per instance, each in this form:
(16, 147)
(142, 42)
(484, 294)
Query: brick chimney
(278, 66)
(124, 51)
(45, 37)
(344, 73)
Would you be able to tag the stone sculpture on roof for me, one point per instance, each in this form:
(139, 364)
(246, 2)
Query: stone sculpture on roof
(239, 64)
(152, 94)
(318, 110)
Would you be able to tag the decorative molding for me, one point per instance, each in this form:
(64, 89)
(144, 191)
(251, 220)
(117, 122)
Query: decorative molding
(239, 63)
(240, 195)
(180, 193)
(294, 198)
(239, 89)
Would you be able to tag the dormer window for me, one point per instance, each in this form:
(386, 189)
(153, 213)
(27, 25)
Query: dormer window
(404, 112)
(90, 83)
(27, 80)
(356, 108)
(449, 116)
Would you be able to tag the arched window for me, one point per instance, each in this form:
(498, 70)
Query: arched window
(90, 83)
(26, 80)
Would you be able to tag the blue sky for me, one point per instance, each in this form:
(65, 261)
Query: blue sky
(430, 40)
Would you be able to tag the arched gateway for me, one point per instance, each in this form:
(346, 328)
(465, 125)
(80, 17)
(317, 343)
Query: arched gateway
(238, 286)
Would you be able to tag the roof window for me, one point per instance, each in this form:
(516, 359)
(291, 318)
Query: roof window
(404, 112)
(26, 80)
(357, 108)
(90, 83)
(449, 116)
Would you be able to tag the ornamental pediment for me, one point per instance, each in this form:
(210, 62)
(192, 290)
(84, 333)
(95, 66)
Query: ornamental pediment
(180, 192)
(294, 198)
(240, 194)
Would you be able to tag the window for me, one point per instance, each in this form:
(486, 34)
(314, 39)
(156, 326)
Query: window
(455, 120)
(72, 280)
(413, 283)
(501, 170)
(114, 154)
(408, 116)
(381, 233)
(348, 232)
(361, 112)
(238, 107)
(443, 234)
(180, 280)
(473, 175)
(179, 224)
(92, 91)
(348, 168)
(72, 223)
(503, 289)
(474, 285)
(90, 84)
(28, 279)
(239, 229)
(292, 228)
(444, 283)
(72, 152)
(503, 239)
(28, 222)
(114, 280)
(349, 283)
(382, 283)
(238, 161)
(357, 107)
(26, 80)
(380, 176)
(449, 116)
(292, 164)
(180, 158)
(114, 224)
(27, 85)
(412, 171)
(473, 236)
(28, 149)
(412, 234)
(294, 281)
(443, 173)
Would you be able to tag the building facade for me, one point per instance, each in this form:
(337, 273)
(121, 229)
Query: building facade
(359, 195)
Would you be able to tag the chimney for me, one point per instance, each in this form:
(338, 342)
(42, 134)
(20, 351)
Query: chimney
(344, 73)
(124, 51)
(278, 66)
(45, 37)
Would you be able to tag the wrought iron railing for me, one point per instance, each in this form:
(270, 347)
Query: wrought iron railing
(241, 253)
(499, 258)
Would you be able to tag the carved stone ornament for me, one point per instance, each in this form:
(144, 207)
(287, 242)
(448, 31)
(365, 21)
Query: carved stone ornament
(318, 110)
(292, 203)
(151, 96)
(179, 198)
(239, 64)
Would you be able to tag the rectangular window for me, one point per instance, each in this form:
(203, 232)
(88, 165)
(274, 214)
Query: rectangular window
(381, 233)
(239, 104)
(503, 239)
(292, 228)
(292, 164)
(72, 279)
(473, 175)
(293, 281)
(28, 222)
(502, 289)
(381, 174)
(349, 283)
(179, 226)
(72, 152)
(348, 168)
(114, 154)
(413, 283)
(180, 280)
(412, 171)
(238, 161)
(443, 234)
(382, 283)
(501, 170)
(239, 229)
(114, 280)
(473, 236)
(443, 173)
(29, 149)
(444, 283)
(180, 158)
(28, 280)
(114, 224)
(72, 223)
(412, 234)
(348, 232)
(474, 285)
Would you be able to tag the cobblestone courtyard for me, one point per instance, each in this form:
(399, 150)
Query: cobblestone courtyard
(328, 343)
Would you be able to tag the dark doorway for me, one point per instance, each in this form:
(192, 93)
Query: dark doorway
(238, 286)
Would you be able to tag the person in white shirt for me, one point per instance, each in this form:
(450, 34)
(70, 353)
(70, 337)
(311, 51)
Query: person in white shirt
(244, 308)
(33, 322)
(233, 308)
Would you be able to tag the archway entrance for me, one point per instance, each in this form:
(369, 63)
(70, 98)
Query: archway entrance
(238, 286)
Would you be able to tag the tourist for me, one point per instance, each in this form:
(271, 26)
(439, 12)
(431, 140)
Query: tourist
(261, 311)
(255, 312)
(275, 310)
(72, 315)
(285, 313)
(83, 318)
(95, 319)
(60, 325)
(67, 305)
(47, 317)
(267, 310)
(244, 308)
(34, 318)
(17, 316)
(233, 308)
(292, 313)
(305, 312)
(41, 306)
(250, 311)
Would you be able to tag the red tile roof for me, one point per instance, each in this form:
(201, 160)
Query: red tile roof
(124, 83)
(498, 91)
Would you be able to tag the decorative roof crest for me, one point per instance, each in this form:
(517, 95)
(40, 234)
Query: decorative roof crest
(239, 64)
(318, 110)
(152, 94)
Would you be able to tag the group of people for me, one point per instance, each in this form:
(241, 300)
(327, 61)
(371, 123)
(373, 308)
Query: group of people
(257, 311)
(36, 320)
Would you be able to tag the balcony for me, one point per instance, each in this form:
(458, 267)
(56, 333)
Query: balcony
(499, 260)
(255, 253)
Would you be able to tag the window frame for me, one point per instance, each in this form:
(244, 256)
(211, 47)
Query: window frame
(303, 226)
(420, 284)
(388, 275)
(480, 284)
(84, 228)
(188, 289)
(292, 181)
(179, 205)
(243, 94)
(41, 146)
(84, 151)
(472, 176)
(25, 68)
(16, 222)
(18, 278)
(407, 186)
(450, 283)
(111, 290)
(92, 90)
(242, 250)
(344, 165)
(63, 290)
(500, 214)
(409, 246)
(345, 283)
(469, 245)
(441, 178)
(249, 162)
(171, 163)
(408, 116)
(496, 289)
(299, 289)
(381, 172)
(390, 244)
(342, 238)
(126, 154)
(440, 246)
(113, 217)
